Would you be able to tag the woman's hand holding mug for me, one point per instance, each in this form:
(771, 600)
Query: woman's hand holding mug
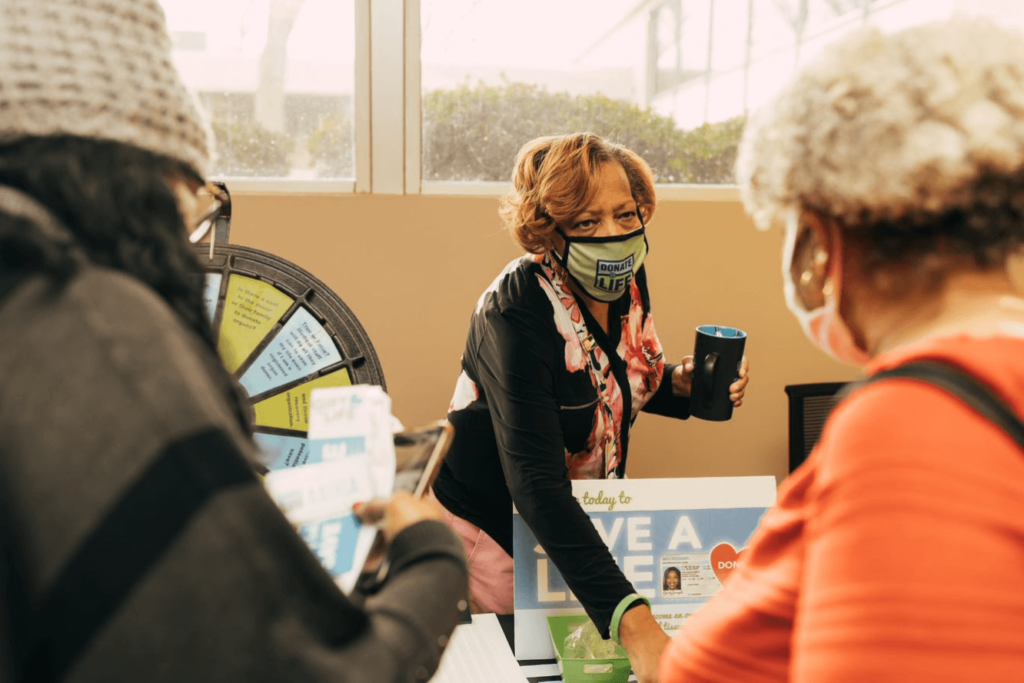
(682, 380)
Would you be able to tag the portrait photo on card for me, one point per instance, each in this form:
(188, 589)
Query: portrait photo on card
(688, 576)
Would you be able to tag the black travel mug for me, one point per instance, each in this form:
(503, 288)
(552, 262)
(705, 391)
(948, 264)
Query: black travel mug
(717, 355)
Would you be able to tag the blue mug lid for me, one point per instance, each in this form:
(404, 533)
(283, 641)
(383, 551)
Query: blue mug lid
(721, 331)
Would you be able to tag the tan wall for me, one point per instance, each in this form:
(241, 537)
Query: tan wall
(412, 268)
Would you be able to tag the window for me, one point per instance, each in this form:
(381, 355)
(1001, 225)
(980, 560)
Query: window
(276, 78)
(410, 96)
(496, 74)
(673, 79)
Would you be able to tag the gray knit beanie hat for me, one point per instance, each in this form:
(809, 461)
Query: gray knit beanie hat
(96, 69)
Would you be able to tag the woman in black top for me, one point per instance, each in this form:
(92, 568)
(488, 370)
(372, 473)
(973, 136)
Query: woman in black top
(560, 357)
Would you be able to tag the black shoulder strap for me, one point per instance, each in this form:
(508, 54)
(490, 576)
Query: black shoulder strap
(960, 384)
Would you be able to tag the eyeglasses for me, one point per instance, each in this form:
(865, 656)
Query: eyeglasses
(220, 204)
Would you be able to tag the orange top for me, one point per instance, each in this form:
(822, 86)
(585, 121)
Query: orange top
(895, 553)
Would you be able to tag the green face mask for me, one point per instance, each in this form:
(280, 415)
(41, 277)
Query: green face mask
(603, 267)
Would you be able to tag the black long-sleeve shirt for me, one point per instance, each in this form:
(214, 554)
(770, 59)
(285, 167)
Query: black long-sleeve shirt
(540, 401)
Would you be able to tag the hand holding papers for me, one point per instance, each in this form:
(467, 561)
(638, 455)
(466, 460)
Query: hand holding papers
(351, 426)
(392, 515)
(351, 429)
(418, 456)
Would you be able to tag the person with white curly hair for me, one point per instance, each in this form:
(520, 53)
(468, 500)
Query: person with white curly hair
(895, 165)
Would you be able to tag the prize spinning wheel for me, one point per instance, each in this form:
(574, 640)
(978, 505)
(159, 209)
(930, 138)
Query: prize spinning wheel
(282, 333)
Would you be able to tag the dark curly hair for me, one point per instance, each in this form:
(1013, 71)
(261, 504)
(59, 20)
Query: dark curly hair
(982, 232)
(122, 214)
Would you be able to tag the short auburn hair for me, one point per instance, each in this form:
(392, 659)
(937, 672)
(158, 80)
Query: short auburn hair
(553, 182)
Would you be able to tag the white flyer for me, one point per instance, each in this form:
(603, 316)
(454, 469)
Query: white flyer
(341, 417)
(351, 429)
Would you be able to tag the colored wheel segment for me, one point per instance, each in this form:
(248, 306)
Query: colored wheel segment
(282, 333)
(290, 408)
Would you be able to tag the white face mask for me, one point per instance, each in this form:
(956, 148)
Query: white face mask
(823, 325)
(604, 267)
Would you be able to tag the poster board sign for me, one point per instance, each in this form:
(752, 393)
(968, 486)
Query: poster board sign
(697, 527)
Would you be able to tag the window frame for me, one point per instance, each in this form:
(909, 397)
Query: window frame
(388, 121)
(363, 123)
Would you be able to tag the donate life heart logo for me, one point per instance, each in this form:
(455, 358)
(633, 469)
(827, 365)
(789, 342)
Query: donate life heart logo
(724, 559)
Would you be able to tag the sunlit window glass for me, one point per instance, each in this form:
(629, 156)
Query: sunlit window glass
(277, 80)
(672, 79)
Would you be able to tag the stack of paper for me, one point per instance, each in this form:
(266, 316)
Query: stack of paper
(479, 652)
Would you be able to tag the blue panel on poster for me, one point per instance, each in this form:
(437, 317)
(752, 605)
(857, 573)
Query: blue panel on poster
(301, 348)
(645, 543)
(675, 540)
(211, 292)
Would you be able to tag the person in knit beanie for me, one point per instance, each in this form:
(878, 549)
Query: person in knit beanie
(137, 542)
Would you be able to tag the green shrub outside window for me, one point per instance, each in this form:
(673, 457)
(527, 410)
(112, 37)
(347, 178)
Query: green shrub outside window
(474, 132)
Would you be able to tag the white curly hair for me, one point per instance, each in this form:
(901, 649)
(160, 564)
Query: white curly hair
(885, 126)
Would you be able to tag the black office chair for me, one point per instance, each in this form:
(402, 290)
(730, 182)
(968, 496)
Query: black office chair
(809, 407)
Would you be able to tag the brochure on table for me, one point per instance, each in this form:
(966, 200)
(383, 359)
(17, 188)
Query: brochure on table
(351, 439)
(697, 527)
